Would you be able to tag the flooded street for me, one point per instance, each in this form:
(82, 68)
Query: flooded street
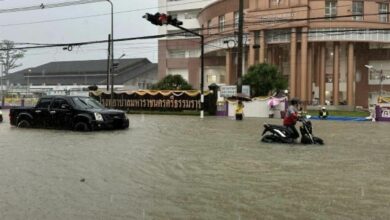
(182, 167)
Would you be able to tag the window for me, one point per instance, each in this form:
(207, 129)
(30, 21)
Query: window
(275, 3)
(211, 78)
(190, 15)
(177, 53)
(236, 19)
(193, 53)
(58, 102)
(221, 23)
(357, 10)
(330, 9)
(257, 38)
(383, 12)
(44, 103)
(87, 103)
(173, 16)
(182, 72)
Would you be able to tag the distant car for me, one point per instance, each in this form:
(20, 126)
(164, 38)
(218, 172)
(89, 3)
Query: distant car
(1, 115)
(68, 112)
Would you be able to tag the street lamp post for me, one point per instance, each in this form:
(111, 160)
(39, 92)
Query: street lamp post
(28, 81)
(114, 66)
(111, 61)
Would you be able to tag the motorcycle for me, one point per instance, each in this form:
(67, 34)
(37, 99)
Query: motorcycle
(282, 134)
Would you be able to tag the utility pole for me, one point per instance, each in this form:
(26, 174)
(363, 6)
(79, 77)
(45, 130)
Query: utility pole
(240, 45)
(2, 93)
(109, 63)
(112, 51)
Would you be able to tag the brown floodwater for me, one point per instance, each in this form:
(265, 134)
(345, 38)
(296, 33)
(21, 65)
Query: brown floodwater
(182, 167)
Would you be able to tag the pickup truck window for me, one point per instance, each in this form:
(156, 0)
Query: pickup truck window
(44, 103)
(87, 103)
(58, 102)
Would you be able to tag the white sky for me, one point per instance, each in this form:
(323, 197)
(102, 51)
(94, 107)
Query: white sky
(128, 22)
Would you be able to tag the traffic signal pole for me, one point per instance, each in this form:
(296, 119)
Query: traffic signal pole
(201, 66)
(109, 63)
(240, 45)
(163, 19)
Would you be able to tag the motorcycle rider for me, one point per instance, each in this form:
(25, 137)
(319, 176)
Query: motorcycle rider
(291, 117)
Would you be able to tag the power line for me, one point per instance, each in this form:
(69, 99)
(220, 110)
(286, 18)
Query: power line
(45, 6)
(86, 16)
(38, 46)
(42, 45)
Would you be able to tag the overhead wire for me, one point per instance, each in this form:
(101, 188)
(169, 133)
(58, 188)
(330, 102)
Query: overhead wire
(86, 16)
(43, 45)
(45, 6)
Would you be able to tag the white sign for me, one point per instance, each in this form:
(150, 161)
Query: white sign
(276, 17)
(385, 113)
(229, 91)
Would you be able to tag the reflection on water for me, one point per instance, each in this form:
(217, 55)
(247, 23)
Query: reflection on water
(179, 167)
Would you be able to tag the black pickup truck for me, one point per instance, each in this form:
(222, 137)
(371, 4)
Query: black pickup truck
(68, 112)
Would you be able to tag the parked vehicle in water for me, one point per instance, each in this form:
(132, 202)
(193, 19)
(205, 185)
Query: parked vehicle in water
(68, 112)
(281, 134)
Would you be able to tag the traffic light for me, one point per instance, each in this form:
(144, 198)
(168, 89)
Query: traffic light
(174, 21)
(161, 19)
(154, 19)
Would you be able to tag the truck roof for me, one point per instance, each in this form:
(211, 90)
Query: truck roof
(62, 96)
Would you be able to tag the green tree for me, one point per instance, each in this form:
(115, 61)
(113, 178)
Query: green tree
(264, 78)
(172, 82)
(9, 55)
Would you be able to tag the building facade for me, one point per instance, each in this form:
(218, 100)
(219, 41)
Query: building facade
(325, 48)
(331, 51)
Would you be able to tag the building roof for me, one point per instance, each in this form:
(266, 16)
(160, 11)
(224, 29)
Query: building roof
(86, 72)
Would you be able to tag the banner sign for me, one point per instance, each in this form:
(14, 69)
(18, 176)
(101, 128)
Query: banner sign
(151, 100)
(229, 91)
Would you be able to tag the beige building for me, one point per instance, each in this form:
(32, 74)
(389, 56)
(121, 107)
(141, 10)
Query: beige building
(322, 47)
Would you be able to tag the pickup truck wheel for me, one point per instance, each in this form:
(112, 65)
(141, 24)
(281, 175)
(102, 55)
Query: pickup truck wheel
(81, 126)
(24, 123)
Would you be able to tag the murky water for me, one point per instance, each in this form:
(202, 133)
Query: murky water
(181, 167)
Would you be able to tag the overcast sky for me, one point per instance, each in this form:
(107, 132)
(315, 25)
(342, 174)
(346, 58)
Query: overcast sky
(59, 25)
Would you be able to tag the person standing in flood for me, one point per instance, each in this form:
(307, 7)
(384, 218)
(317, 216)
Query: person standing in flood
(239, 110)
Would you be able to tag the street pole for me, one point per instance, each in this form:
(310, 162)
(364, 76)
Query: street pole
(112, 51)
(108, 63)
(201, 66)
(202, 76)
(240, 45)
(2, 93)
(381, 83)
(28, 80)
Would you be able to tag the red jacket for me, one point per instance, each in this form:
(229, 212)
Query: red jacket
(291, 116)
